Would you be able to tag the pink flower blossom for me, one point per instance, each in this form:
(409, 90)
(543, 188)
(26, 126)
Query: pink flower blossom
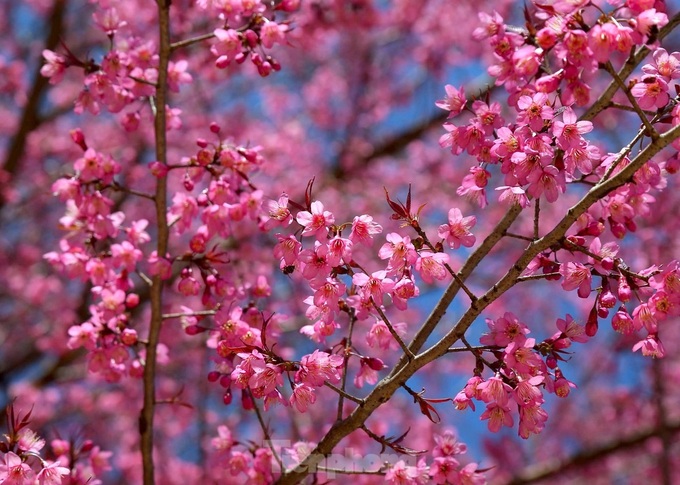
(302, 397)
(651, 346)
(51, 473)
(505, 330)
(431, 266)
(498, 416)
(315, 223)
(13, 471)
(400, 252)
(651, 92)
(569, 131)
(363, 230)
(374, 286)
(454, 101)
(575, 276)
(318, 367)
(457, 231)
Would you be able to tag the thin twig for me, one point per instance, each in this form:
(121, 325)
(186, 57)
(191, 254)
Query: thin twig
(187, 42)
(519, 236)
(472, 348)
(345, 357)
(631, 99)
(537, 276)
(625, 107)
(349, 472)
(201, 313)
(119, 188)
(344, 393)
(394, 333)
(537, 213)
(267, 436)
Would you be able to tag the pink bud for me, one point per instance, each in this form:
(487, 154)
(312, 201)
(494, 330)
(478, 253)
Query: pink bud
(591, 324)
(607, 263)
(213, 376)
(202, 200)
(618, 230)
(132, 300)
(225, 381)
(673, 165)
(624, 291)
(193, 330)
(374, 363)
(607, 299)
(622, 322)
(251, 38)
(214, 127)
(78, 137)
(222, 62)
(226, 399)
(188, 183)
(201, 142)
(551, 361)
(289, 5)
(128, 336)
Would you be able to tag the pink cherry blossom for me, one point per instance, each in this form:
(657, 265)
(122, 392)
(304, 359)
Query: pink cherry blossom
(457, 231)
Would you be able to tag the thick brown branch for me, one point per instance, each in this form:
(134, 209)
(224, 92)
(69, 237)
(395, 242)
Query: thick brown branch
(551, 469)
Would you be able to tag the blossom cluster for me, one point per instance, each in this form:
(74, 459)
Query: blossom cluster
(523, 369)
(21, 462)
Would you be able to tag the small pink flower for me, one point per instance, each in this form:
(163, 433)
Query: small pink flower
(431, 266)
(571, 329)
(302, 397)
(665, 64)
(457, 231)
(444, 469)
(278, 213)
(272, 33)
(15, 471)
(55, 66)
(494, 390)
(315, 223)
(531, 420)
(505, 330)
(339, 251)
(287, 249)
(363, 230)
(318, 367)
(651, 347)
(651, 92)
(498, 416)
(374, 286)
(51, 473)
(569, 131)
(454, 101)
(575, 276)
